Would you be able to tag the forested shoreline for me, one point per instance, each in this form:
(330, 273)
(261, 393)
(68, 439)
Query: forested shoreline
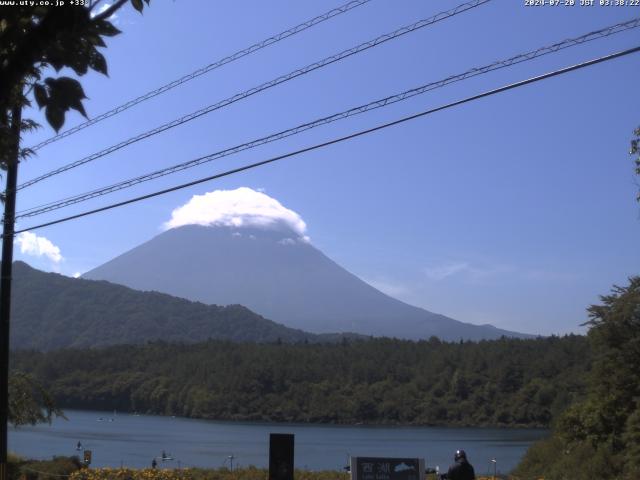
(507, 382)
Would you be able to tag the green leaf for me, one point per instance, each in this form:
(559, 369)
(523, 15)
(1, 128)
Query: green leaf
(105, 28)
(55, 116)
(29, 402)
(65, 86)
(80, 58)
(80, 68)
(98, 62)
(40, 11)
(29, 125)
(95, 40)
(137, 4)
(66, 93)
(40, 93)
(55, 57)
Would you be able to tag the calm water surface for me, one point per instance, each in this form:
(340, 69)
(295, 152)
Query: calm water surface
(133, 441)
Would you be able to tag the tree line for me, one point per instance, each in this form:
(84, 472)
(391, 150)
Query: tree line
(506, 382)
(598, 436)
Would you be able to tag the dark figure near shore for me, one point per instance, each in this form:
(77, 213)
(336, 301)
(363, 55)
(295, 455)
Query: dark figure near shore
(461, 470)
(154, 464)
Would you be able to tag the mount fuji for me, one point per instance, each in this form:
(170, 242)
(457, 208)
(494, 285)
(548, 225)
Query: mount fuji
(279, 274)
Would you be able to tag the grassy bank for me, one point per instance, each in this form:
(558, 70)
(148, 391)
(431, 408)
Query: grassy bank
(70, 468)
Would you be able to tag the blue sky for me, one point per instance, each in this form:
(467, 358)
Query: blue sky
(516, 210)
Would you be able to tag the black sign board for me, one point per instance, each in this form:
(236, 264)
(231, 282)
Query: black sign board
(281, 456)
(382, 468)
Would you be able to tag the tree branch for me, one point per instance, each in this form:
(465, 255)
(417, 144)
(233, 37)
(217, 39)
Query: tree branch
(110, 10)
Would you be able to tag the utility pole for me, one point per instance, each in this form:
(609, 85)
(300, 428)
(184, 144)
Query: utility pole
(5, 279)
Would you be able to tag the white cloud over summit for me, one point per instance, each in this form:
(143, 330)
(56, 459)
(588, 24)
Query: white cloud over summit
(242, 207)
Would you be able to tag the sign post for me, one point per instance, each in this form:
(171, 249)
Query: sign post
(281, 446)
(382, 468)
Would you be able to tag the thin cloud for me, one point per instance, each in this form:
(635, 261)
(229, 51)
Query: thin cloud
(287, 241)
(475, 273)
(390, 288)
(242, 207)
(550, 276)
(466, 270)
(443, 271)
(33, 245)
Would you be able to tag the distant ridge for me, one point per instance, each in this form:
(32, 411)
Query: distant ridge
(277, 274)
(51, 311)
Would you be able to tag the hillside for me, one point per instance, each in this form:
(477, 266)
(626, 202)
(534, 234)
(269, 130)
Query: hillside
(507, 382)
(51, 311)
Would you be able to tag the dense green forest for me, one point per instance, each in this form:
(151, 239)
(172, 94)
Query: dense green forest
(599, 435)
(503, 382)
(51, 311)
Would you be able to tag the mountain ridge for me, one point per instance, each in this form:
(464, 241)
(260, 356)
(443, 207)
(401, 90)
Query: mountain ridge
(279, 275)
(52, 311)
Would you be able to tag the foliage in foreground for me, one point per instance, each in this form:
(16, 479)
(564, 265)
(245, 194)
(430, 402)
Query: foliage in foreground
(249, 473)
(29, 402)
(39, 38)
(507, 382)
(635, 151)
(55, 469)
(600, 436)
(72, 468)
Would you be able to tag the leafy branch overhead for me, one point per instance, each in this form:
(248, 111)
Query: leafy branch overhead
(36, 39)
(635, 150)
(57, 96)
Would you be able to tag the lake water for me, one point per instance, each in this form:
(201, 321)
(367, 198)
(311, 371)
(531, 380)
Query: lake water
(133, 441)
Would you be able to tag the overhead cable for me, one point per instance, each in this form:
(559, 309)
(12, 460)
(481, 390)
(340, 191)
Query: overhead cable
(272, 83)
(201, 71)
(523, 57)
(339, 139)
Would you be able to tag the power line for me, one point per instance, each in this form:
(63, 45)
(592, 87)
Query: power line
(570, 42)
(272, 83)
(340, 139)
(201, 71)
